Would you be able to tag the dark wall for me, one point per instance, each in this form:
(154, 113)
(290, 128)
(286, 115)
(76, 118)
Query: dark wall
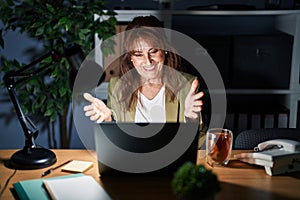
(11, 135)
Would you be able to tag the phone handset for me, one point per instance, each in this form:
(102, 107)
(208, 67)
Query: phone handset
(285, 144)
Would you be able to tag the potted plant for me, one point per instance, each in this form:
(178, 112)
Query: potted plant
(56, 24)
(193, 181)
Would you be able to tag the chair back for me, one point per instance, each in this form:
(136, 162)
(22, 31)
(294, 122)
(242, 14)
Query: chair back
(249, 139)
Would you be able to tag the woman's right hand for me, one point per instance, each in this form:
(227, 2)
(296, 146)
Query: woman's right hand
(97, 110)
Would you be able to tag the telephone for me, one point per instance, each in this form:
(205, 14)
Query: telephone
(285, 144)
(278, 156)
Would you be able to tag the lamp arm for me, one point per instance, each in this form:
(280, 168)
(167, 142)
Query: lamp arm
(28, 127)
(14, 78)
(32, 157)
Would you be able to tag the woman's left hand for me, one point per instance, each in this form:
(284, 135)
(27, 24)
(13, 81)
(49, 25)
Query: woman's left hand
(193, 104)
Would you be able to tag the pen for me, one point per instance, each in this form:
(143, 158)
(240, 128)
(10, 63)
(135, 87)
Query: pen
(54, 168)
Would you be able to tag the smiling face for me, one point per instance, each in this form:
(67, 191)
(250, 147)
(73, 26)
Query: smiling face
(147, 60)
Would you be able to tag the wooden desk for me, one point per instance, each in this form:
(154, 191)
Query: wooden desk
(238, 180)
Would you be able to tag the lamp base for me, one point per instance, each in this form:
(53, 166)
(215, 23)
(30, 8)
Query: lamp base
(35, 158)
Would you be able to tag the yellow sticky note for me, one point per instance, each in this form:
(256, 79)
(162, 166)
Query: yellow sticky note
(77, 166)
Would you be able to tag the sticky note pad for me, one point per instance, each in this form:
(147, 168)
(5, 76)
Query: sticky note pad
(77, 166)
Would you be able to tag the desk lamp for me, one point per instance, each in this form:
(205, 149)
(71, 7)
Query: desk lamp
(31, 156)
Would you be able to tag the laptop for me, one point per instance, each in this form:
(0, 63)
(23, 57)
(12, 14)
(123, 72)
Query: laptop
(145, 148)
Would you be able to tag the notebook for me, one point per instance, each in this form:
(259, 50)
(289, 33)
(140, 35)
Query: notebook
(80, 187)
(33, 188)
(145, 148)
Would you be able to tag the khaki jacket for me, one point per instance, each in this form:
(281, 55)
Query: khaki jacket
(174, 110)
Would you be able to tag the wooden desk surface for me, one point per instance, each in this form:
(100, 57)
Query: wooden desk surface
(238, 180)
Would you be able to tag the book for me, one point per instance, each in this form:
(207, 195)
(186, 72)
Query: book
(81, 187)
(77, 166)
(34, 189)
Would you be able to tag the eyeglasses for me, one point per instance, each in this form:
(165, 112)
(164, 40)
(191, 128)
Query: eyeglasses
(151, 53)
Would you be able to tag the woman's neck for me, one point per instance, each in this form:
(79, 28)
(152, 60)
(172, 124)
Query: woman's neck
(151, 82)
(151, 88)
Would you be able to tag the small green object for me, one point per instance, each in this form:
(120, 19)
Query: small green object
(192, 180)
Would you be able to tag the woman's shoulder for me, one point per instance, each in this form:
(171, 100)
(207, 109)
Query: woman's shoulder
(113, 80)
(186, 77)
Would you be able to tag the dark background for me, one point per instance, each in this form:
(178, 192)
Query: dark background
(252, 56)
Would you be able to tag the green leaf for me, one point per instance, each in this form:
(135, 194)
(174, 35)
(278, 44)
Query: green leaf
(59, 105)
(34, 82)
(41, 100)
(39, 31)
(68, 25)
(62, 91)
(25, 110)
(56, 26)
(65, 63)
(36, 25)
(36, 90)
(54, 94)
(53, 117)
(49, 105)
(81, 36)
(112, 21)
(48, 112)
(85, 31)
(54, 73)
(28, 87)
(50, 8)
(62, 21)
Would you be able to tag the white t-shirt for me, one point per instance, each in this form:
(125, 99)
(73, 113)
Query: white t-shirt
(151, 110)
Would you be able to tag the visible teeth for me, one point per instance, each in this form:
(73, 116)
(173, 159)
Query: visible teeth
(149, 67)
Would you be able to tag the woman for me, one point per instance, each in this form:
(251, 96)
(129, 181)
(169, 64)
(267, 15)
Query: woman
(151, 86)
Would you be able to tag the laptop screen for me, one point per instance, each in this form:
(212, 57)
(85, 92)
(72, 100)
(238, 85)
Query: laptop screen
(145, 147)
